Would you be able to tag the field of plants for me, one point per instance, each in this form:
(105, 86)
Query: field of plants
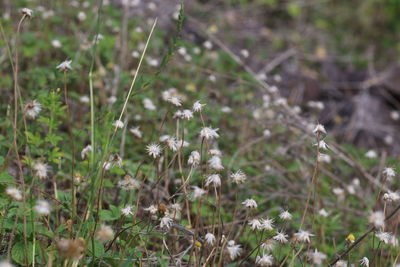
(199, 133)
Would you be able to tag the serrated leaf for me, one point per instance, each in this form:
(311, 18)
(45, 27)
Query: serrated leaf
(18, 253)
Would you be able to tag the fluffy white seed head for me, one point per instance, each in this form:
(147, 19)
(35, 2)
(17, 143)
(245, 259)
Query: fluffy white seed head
(194, 159)
(238, 177)
(285, 215)
(104, 233)
(265, 261)
(154, 150)
(14, 193)
(27, 12)
(209, 133)
(319, 129)
(214, 179)
(42, 207)
(41, 169)
(210, 239)
(118, 124)
(197, 106)
(65, 65)
(250, 203)
(302, 236)
(32, 109)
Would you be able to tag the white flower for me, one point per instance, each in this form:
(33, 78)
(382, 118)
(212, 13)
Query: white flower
(41, 169)
(135, 54)
(281, 237)
(56, 43)
(215, 152)
(267, 224)
(250, 203)
(182, 51)
(152, 61)
(322, 145)
(389, 172)
(152, 209)
(65, 65)
(339, 192)
(384, 237)
(233, 250)
(166, 222)
(114, 160)
(226, 109)
(175, 208)
(136, 132)
(323, 213)
(164, 138)
(175, 100)
(391, 196)
(371, 154)
(112, 99)
(215, 163)
(303, 236)
(208, 45)
(324, 158)
(316, 257)
(377, 218)
(172, 143)
(281, 101)
(197, 192)
(255, 224)
(285, 215)
(319, 129)
(118, 124)
(14, 193)
(351, 189)
(81, 16)
(185, 114)
(245, 53)
(268, 245)
(267, 133)
(194, 158)
(104, 233)
(265, 260)
(208, 133)
(148, 104)
(238, 177)
(127, 211)
(395, 115)
(128, 183)
(42, 207)
(27, 12)
(210, 239)
(364, 262)
(197, 106)
(153, 150)
(84, 99)
(213, 179)
(316, 105)
(32, 109)
(341, 263)
(85, 151)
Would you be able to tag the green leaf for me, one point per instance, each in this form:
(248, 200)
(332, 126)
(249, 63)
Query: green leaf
(98, 248)
(6, 178)
(18, 253)
(108, 215)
